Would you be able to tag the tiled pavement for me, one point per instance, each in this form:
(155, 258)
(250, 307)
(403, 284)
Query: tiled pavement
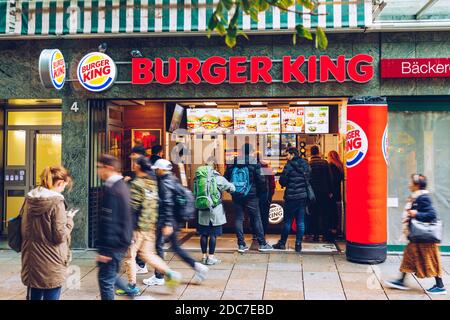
(252, 276)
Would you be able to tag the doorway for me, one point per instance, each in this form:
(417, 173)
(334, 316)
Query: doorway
(32, 142)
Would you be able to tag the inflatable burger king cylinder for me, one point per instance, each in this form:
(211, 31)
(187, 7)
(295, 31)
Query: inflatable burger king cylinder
(366, 190)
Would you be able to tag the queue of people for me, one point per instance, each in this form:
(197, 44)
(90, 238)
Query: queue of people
(141, 212)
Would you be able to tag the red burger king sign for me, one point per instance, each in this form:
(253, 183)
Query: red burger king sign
(96, 72)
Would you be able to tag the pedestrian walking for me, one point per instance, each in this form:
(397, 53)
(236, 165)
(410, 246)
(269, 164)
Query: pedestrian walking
(208, 188)
(245, 174)
(157, 153)
(337, 177)
(114, 228)
(144, 211)
(294, 179)
(421, 258)
(322, 186)
(170, 214)
(46, 228)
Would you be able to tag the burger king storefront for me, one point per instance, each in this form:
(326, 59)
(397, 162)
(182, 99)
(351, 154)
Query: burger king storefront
(198, 98)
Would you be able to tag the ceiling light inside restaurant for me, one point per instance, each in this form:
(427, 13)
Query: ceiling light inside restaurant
(302, 102)
(256, 103)
(210, 103)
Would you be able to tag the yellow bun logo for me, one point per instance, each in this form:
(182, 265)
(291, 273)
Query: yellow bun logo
(96, 72)
(356, 144)
(58, 69)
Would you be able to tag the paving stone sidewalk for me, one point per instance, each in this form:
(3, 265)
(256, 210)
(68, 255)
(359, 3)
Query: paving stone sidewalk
(252, 276)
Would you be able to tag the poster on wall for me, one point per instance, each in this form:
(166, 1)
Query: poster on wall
(176, 118)
(210, 120)
(145, 137)
(293, 120)
(288, 141)
(272, 145)
(256, 120)
(317, 120)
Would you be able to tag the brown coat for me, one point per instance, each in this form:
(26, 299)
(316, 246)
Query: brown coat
(45, 239)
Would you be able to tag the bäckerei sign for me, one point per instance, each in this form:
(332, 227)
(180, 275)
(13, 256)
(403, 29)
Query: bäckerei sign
(415, 68)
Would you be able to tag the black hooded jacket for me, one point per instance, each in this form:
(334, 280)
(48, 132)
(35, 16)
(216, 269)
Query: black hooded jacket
(293, 179)
(257, 180)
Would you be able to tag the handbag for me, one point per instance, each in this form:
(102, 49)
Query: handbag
(15, 233)
(425, 232)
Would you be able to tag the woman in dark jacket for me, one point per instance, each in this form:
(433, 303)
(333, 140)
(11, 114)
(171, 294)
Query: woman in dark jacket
(422, 259)
(294, 178)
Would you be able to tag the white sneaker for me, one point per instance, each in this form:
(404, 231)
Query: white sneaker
(154, 281)
(200, 271)
(140, 270)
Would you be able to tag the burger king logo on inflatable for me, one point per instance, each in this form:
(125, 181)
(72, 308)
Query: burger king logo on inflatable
(356, 144)
(52, 68)
(96, 72)
(385, 145)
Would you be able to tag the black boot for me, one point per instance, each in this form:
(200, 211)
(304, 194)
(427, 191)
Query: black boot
(298, 247)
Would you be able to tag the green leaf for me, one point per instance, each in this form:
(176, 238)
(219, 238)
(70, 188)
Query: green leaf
(263, 5)
(230, 41)
(242, 33)
(285, 4)
(235, 18)
(303, 32)
(213, 22)
(294, 39)
(246, 6)
(308, 4)
(254, 14)
(321, 39)
(221, 29)
(228, 4)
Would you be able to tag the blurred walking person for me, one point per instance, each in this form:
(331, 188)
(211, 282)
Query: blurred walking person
(208, 188)
(421, 258)
(46, 229)
(337, 177)
(114, 228)
(144, 211)
(157, 153)
(170, 212)
(294, 178)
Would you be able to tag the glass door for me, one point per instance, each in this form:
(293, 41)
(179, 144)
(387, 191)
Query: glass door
(47, 152)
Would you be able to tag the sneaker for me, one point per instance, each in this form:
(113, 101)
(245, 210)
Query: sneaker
(131, 291)
(242, 248)
(154, 281)
(396, 284)
(140, 270)
(212, 261)
(265, 247)
(436, 290)
(279, 246)
(200, 271)
(298, 247)
(173, 279)
(204, 260)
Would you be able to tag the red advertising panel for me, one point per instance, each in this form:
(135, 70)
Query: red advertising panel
(415, 68)
(365, 156)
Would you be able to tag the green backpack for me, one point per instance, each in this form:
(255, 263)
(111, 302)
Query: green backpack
(207, 195)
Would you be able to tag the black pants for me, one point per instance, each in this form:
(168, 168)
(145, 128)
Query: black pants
(320, 217)
(264, 205)
(251, 205)
(159, 249)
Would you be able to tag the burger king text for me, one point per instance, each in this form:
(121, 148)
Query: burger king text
(238, 69)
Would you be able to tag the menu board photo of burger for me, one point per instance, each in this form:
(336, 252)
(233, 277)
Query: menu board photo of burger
(316, 120)
(257, 120)
(210, 120)
(293, 120)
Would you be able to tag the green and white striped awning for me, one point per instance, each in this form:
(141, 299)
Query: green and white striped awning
(90, 17)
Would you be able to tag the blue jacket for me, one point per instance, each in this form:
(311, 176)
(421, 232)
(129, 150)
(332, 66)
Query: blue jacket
(425, 209)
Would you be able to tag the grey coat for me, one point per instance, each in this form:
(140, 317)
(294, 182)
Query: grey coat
(216, 215)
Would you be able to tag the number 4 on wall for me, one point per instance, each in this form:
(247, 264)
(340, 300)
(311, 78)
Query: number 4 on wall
(74, 107)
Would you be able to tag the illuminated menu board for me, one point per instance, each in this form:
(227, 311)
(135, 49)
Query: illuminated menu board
(201, 120)
(317, 120)
(293, 120)
(256, 120)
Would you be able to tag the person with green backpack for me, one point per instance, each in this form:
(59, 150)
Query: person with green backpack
(208, 188)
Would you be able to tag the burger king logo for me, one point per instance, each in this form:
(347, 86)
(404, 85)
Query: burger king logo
(385, 145)
(52, 68)
(96, 72)
(356, 144)
(276, 213)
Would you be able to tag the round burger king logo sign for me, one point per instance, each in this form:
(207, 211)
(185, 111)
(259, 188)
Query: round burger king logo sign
(52, 68)
(356, 144)
(96, 72)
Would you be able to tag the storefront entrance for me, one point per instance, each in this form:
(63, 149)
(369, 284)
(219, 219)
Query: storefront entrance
(118, 125)
(32, 142)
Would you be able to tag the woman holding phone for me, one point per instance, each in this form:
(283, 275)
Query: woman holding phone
(46, 228)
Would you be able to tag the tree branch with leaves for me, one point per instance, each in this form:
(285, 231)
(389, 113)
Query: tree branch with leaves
(225, 17)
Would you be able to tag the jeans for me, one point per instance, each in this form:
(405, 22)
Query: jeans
(159, 244)
(251, 205)
(109, 276)
(294, 209)
(173, 238)
(43, 294)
